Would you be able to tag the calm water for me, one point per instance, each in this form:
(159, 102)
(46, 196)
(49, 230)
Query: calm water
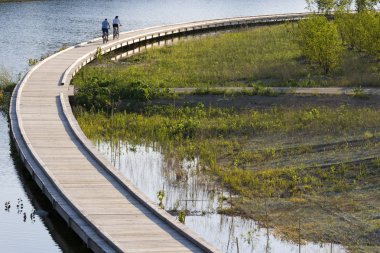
(36, 28)
(187, 189)
(20, 231)
(32, 29)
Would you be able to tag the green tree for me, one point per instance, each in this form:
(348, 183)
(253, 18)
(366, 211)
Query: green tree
(360, 31)
(320, 42)
(343, 6)
(324, 6)
(363, 5)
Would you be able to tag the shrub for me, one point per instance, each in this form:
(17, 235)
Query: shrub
(320, 42)
(361, 31)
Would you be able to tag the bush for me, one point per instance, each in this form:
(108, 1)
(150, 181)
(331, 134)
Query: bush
(105, 93)
(320, 42)
(361, 31)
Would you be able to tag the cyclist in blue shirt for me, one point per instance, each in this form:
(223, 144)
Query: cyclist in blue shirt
(105, 27)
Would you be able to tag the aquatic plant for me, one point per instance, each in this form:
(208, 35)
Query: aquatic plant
(161, 195)
(182, 217)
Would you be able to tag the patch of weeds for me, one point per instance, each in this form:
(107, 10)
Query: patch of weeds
(161, 195)
(182, 217)
(358, 92)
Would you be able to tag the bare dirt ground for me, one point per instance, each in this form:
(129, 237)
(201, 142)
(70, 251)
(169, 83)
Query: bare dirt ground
(287, 100)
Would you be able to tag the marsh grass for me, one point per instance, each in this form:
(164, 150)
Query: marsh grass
(262, 55)
(224, 142)
(193, 130)
(6, 88)
(169, 122)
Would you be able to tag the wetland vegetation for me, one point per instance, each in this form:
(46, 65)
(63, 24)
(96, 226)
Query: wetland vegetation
(270, 56)
(285, 158)
(302, 162)
(6, 89)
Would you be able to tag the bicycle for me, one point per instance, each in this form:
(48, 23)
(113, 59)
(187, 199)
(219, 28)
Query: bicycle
(105, 36)
(115, 32)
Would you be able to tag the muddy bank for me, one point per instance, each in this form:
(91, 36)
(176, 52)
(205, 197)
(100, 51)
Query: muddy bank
(287, 100)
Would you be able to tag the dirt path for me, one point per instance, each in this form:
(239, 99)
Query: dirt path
(295, 100)
(292, 90)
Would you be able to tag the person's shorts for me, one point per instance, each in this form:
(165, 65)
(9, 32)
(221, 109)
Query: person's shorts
(105, 30)
(115, 25)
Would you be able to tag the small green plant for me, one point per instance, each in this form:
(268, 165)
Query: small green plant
(160, 195)
(376, 162)
(98, 53)
(358, 92)
(368, 135)
(6, 88)
(32, 61)
(182, 217)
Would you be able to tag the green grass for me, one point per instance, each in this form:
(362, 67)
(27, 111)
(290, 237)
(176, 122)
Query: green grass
(235, 158)
(261, 55)
(168, 122)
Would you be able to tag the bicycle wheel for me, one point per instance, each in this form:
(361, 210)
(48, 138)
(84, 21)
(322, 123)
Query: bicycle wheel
(115, 33)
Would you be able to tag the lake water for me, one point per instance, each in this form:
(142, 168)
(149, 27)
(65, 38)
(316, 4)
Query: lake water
(33, 29)
(20, 230)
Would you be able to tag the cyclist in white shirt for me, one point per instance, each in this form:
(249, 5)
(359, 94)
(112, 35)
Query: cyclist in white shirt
(116, 23)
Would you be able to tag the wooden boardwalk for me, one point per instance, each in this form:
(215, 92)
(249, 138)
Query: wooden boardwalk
(101, 206)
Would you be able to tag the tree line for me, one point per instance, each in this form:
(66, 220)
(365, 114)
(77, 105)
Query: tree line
(323, 39)
(327, 6)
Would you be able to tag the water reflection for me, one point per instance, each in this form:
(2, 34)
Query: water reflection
(187, 189)
(27, 221)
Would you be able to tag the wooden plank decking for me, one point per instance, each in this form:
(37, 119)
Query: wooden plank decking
(101, 206)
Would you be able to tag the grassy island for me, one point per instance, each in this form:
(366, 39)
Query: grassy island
(286, 158)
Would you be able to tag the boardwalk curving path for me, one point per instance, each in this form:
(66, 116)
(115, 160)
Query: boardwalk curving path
(101, 206)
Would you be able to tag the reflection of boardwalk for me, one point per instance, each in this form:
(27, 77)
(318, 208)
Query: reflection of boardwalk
(103, 208)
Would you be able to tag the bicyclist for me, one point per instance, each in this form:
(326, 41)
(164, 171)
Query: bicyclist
(105, 27)
(116, 23)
